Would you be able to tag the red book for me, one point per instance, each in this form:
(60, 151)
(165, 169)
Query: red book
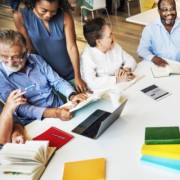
(57, 138)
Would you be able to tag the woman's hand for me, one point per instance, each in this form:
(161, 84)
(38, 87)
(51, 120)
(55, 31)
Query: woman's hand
(81, 86)
(124, 75)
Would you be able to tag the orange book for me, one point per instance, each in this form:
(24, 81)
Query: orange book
(56, 137)
(91, 169)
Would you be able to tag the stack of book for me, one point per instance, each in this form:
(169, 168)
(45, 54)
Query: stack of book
(162, 147)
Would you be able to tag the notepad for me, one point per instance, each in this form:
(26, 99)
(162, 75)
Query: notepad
(56, 137)
(91, 169)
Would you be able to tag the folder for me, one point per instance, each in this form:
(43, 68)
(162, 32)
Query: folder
(91, 169)
(57, 138)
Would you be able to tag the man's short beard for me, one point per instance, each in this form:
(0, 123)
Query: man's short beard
(18, 68)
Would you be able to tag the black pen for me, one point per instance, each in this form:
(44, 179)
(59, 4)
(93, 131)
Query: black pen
(61, 137)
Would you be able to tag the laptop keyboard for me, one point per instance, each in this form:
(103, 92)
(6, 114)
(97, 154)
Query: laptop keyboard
(92, 130)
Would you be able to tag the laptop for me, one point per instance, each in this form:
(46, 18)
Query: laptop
(94, 125)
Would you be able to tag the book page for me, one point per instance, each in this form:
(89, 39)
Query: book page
(20, 168)
(30, 151)
(43, 149)
(159, 71)
(91, 97)
(174, 69)
(23, 176)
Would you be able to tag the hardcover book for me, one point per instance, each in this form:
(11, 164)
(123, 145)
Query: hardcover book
(162, 135)
(171, 151)
(56, 137)
(92, 169)
(162, 162)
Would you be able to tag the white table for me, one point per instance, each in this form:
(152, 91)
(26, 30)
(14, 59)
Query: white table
(143, 18)
(121, 144)
(146, 17)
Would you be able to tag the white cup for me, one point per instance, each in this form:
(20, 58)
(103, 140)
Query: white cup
(115, 95)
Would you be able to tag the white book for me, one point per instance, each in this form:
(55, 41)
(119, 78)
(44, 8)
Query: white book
(91, 98)
(171, 68)
(24, 161)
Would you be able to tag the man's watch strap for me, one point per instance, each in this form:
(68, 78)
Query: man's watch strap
(72, 94)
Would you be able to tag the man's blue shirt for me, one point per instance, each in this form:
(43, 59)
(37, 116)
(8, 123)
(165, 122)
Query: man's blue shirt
(41, 96)
(157, 41)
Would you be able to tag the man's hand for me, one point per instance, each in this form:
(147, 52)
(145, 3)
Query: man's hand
(75, 99)
(159, 61)
(63, 113)
(15, 99)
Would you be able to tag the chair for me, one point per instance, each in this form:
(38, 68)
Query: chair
(116, 2)
(97, 4)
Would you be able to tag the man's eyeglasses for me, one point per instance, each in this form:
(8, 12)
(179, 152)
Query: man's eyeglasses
(16, 58)
(165, 11)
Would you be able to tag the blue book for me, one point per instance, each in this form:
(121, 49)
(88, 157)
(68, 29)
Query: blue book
(162, 162)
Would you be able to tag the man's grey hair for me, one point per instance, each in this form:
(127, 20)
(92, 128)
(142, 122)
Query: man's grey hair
(12, 37)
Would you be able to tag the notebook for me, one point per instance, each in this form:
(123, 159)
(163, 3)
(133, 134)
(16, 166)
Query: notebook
(56, 137)
(94, 125)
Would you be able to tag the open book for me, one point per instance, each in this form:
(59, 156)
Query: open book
(91, 98)
(172, 68)
(24, 161)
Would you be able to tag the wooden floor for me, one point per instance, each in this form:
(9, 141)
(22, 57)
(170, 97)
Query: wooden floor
(126, 34)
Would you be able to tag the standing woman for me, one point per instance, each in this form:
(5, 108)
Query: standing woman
(49, 31)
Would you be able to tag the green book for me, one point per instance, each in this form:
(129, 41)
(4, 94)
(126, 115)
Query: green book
(162, 135)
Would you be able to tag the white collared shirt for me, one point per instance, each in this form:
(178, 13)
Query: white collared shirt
(98, 68)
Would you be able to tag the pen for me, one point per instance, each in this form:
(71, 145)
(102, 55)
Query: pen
(61, 137)
(28, 87)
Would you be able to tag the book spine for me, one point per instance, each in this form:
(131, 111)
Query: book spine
(165, 141)
(168, 163)
(161, 153)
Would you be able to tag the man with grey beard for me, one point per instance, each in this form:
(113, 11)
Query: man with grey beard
(30, 73)
(161, 38)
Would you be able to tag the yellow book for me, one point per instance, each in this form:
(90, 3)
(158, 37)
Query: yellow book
(171, 151)
(91, 169)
